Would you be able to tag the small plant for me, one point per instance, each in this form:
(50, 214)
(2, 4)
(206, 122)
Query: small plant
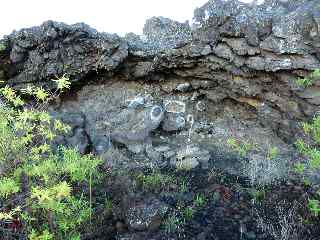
(309, 80)
(154, 181)
(172, 224)
(188, 213)
(312, 152)
(304, 82)
(45, 235)
(183, 186)
(273, 153)
(299, 168)
(199, 200)
(108, 206)
(63, 83)
(258, 194)
(8, 186)
(314, 207)
(242, 148)
(313, 129)
(2, 47)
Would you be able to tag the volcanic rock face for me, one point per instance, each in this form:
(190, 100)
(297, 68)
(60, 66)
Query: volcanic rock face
(39, 54)
(143, 99)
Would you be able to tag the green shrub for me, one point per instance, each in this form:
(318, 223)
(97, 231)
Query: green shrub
(242, 148)
(2, 47)
(199, 200)
(172, 224)
(309, 80)
(312, 153)
(188, 213)
(155, 181)
(8, 186)
(314, 206)
(39, 186)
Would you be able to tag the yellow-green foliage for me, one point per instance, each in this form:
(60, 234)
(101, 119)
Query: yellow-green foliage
(11, 214)
(314, 206)
(242, 148)
(8, 186)
(309, 80)
(312, 152)
(273, 152)
(154, 181)
(78, 167)
(45, 235)
(63, 83)
(313, 129)
(54, 209)
(2, 47)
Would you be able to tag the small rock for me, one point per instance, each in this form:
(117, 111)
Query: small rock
(311, 94)
(183, 87)
(134, 132)
(162, 148)
(190, 157)
(173, 122)
(187, 164)
(251, 235)
(136, 102)
(121, 227)
(152, 153)
(102, 145)
(173, 106)
(169, 154)
(79, 140)
(146, 216)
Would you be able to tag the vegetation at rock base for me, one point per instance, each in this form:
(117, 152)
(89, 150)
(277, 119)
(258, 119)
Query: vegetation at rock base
(2, 47)
(154, 181)
(172, 224)
(242, 148)
(199, 200)
(308, 80)
(39, 193)
(312, 152)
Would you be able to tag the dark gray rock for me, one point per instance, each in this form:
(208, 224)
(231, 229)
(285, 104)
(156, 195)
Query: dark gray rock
(54, 49)
(146, 216)
(241, 47)
(135, 132)
(275, 63)
(173, 122)
(190, 156)
(163, 33)
(312, 95)
(79, 141)
(73, 119)
(102, 144)
(291, 44)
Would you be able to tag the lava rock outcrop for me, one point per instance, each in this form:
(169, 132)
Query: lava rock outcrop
(234, 70)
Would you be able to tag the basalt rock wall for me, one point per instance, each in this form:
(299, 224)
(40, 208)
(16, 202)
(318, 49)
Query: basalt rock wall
(231, 74)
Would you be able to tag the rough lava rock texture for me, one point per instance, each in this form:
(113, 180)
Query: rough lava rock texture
(38, 54)
(137, 100)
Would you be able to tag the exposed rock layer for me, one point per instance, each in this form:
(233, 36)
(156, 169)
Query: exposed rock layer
(237, 61)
